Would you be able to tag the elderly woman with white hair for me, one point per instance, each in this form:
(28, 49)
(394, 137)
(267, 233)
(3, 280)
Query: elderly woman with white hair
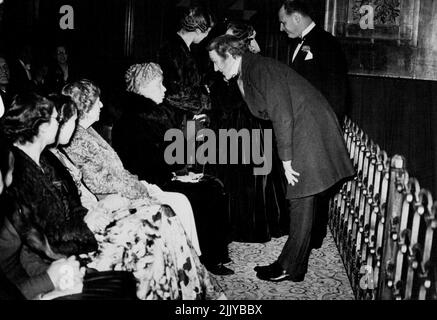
(138, 137)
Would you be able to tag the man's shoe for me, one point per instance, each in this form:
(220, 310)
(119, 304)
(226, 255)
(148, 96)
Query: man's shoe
(268, 268)
(219, 269)
(280, 277)
(274, 277)
(275, 273)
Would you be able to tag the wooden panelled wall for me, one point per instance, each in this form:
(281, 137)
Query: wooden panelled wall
(401, 116)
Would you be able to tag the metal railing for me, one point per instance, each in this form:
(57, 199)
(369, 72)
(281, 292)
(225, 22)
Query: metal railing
(383, 224)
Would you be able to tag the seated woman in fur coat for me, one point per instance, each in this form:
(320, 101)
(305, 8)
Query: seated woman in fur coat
(138, 137)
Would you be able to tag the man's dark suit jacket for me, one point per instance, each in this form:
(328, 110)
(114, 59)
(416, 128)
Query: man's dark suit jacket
(327, 70)
(306, 128)
(13, 255)
(19, 82)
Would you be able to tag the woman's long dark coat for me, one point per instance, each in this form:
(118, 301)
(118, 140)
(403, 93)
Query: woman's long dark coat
(305, 126)
(182, 77)
(55, 210)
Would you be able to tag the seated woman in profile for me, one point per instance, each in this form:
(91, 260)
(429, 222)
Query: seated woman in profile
(138, 138)
(151, 243)
(102, 170)
(15, 282)
(45, 280)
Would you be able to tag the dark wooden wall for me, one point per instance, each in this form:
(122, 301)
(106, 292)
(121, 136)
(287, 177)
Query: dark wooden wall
(401, 116)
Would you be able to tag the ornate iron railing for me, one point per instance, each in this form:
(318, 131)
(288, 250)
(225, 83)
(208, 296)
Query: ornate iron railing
(383, 224)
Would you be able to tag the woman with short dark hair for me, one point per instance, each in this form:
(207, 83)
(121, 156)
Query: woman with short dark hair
(31, 123)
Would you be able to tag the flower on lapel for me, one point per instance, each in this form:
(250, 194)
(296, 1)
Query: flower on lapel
(309, 54)
(306, 48)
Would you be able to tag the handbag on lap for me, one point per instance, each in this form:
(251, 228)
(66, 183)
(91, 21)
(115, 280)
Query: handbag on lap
(106, 285)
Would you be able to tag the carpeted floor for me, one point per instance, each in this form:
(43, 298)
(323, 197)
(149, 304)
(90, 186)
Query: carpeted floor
(326, 278)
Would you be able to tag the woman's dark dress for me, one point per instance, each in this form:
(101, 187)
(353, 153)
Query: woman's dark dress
(182, 79)
(54, 205)
(186, 94)
(138, 138)
(44, 205)
(258, 208)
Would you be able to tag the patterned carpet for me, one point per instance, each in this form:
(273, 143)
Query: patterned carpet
(326, 278)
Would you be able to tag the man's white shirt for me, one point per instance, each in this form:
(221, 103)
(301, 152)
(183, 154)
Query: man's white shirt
(304, 33)
(2, 107)
(26, 68)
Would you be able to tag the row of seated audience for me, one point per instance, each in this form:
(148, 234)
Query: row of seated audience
(256, 209)
(21, 72)
(128, 219)
(54, 214)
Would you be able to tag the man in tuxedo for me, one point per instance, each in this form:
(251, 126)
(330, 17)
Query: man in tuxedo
(316, 54)
(318, 57)
(308, 137)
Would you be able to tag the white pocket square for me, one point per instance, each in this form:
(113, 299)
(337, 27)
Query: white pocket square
(309, 56)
